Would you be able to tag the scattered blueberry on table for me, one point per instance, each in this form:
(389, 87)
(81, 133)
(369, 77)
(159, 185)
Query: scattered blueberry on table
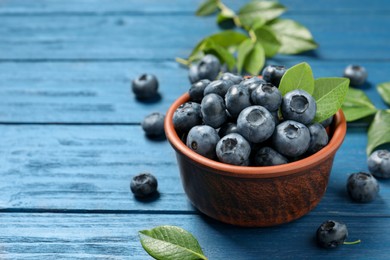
(153, 125)
(331, 234)
(362, 187)
(143, 185)
(357, 74)
(379, 164)
(145, 86)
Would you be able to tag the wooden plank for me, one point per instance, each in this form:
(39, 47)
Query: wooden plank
(127, 37)
(113, 236)
(89, 168)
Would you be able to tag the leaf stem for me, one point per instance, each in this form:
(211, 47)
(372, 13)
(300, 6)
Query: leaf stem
(252, 35)
(182, 61)
(352, 242)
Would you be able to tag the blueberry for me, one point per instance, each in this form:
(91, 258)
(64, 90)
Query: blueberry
(207, 68)
(236, 99)
(186, 116)
(227, 128)
(219, 87)
(153, 125)
(143, 185)
(331, 234)
(256, 124)
(362, 187)
(193, 73)
(145, 86)
(273, 74)
(197, 89)
(233, 149)
(232, 77)
(250, 81)
(357, 75)
(203, 139)
(213, 110)
(266, 156)
(379, 164)
(268, 96)
(291, 138)
(298, 105)
(318, 138)
(327, 122)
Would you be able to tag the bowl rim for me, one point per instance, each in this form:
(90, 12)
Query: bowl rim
(338, 134)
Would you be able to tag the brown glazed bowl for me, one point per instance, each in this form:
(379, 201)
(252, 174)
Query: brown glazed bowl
(255, 196)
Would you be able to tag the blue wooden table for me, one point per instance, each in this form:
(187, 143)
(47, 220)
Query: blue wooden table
(71, 140)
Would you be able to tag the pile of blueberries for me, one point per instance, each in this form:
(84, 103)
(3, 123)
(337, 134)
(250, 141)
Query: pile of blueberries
(247, 121)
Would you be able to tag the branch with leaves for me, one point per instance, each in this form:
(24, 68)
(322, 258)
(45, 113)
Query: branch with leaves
(250, 36)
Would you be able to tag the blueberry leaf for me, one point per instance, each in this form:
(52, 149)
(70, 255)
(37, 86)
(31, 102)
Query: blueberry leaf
(329, 94)
(242, 53)
(299, 76)
(379, 131)
(207, 7)
(357, 105)
(384, 91)
(170, 242)
(267, 10)
(293, 36)
(268, 40)
(210, 47)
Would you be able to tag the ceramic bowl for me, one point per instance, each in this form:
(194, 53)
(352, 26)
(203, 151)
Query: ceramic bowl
(255, 196)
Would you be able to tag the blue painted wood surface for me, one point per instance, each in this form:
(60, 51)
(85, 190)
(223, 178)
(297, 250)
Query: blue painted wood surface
(71, 138)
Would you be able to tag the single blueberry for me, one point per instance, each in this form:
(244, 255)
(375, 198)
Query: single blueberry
(145, 86)
(219, 87)
(357, 75)
(236, 99)
(268, 96)
(318, 138)
(256, 124)
(331, 234)
(193, 73)
(291, 138)
(207, 68)
(203, 140)
(362, 187)
(153, 125)
(379, 163)
(197, 89)
(233, 149)
(227, 128)
(298, 105)
(232, 77)
(143, 185)
(327, 122)
(252, 80)
(266, 156)
(213, 110)
(186, 116)
(273, 74)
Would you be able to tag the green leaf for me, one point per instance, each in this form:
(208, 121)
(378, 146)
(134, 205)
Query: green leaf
(226, 18)
(357, 105)
(254, 10)
(207, 7)
(299, 76)
(170, 242)
(329, 94)
(293, 36)
(384, 90)
(250, 57)
(379, 131)
(210, 47)
(242, 52)
(268, 40)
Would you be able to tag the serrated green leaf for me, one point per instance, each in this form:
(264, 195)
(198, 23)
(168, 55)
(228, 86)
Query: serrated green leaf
(242, 52)
(299, 76)
(384, 91)
(207, 7)
(379, 131)
(268, 40)
(170, 242)
(357, 105)
(293, 36)
(329, 94)
(254, 10)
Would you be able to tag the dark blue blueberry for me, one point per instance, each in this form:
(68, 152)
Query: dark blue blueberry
(300, 106)
(197, 89)
(327, 122)
(255, 124)
(266, 156)
(153, 125)
(203, 139)
(213, 110)
(233, 149)
(193, 73)
(273, 74)
(250, 81)
(357, 75)
(331, 234)
(143, 185)
(268, 96)
(207, 68)
(227, 128)
(291, 138)
(145, 86)
(186, 116)
(318, 138)
(236, 99)
(379, 164)
(232, 77)
(219, 87)
(362, 187)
